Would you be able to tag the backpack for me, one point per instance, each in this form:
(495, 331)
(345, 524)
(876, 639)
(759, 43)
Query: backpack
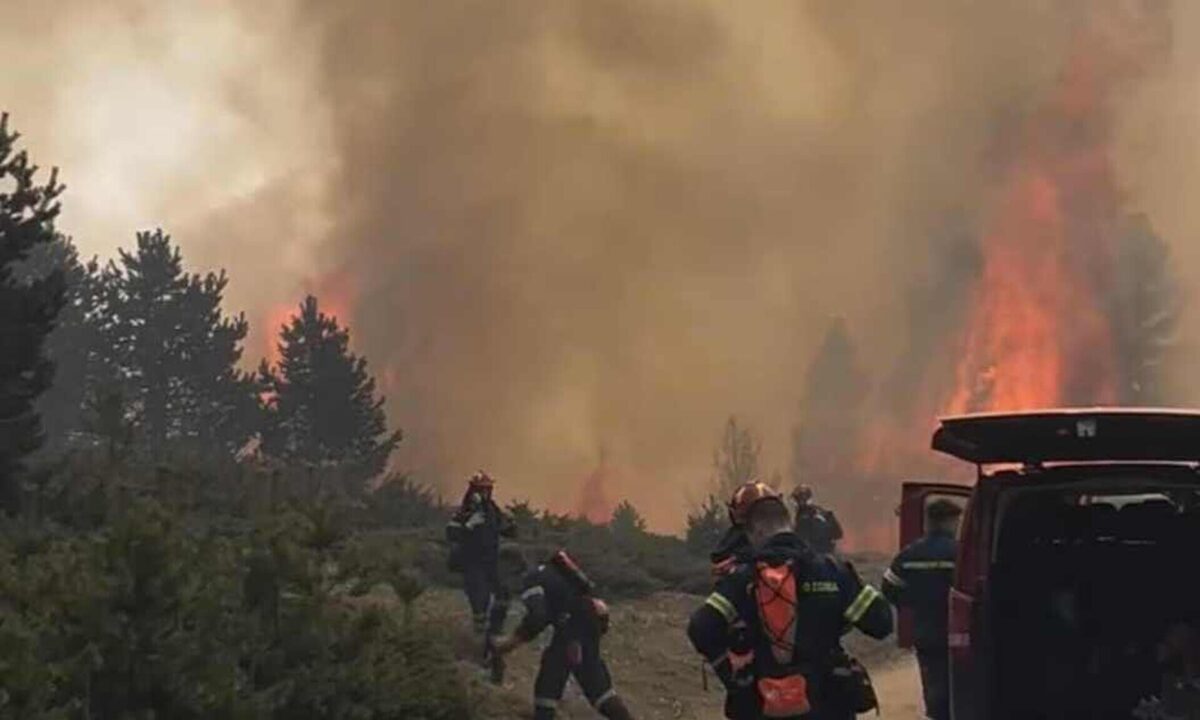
(775, 594)
(596, 609)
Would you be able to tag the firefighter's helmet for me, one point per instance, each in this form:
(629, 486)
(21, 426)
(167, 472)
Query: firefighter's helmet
(481, 480)
(746, 497)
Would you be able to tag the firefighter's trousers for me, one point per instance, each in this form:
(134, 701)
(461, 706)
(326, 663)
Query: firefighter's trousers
(567, 657)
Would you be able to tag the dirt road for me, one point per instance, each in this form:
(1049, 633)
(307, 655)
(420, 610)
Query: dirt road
(899, 688)
(654, 667)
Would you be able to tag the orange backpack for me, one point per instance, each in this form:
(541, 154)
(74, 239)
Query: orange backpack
(775, 596)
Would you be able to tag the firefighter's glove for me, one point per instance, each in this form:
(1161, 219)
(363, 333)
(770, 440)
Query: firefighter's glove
(732, 676)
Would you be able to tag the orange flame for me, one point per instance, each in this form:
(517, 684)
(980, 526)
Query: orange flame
(1039, 333)
(1039, 325)
(594, 503)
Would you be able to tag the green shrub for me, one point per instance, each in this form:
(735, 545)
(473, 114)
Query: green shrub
(706, 525)
(153, 616)
(401, 502)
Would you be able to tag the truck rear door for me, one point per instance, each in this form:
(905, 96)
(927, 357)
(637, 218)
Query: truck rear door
(915, 497)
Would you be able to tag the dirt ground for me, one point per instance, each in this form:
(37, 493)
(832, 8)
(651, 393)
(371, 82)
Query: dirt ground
(653, 665)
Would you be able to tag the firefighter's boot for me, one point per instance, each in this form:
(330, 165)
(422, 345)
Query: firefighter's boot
(497, 614)
(614, 709)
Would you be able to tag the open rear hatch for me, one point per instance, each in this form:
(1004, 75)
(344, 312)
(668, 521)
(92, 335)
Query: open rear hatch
(1072, 435)
(1086, 557)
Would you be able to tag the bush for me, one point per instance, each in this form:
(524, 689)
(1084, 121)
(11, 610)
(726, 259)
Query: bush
(401, 502)
(615, 573)
(153, 616)
(669, 561)
(627, 523)
(706, 526)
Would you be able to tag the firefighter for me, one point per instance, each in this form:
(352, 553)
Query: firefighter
(559, 594)
(920, 578)
(474, 533)
(797, 604)
(733, 550)
(815, 525)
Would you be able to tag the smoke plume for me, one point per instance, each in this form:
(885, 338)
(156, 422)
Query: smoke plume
(617, 222)
(560, 225)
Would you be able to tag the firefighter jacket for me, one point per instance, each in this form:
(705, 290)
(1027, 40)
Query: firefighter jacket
(829, 600)
(477, 527)
(818, 527)
(919, 578)
(552, 600)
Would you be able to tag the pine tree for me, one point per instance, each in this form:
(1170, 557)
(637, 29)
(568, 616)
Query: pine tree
(626, 521)
(824, 443)
(175, 352)
(323, 409)
(735, 461)
(27, 309)
(1145, 310)
(75, 346)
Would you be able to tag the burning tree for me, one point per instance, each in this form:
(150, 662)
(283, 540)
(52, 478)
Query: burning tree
(1041, 329)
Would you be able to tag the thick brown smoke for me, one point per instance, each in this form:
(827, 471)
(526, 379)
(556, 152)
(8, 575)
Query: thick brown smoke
(570, 224)
(583, 223)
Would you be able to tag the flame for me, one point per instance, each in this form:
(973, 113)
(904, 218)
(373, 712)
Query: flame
(1039, 325)
(1039, 332)
(594, 503)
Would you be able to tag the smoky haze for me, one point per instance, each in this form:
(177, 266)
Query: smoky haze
(572, 225)
(611, 224)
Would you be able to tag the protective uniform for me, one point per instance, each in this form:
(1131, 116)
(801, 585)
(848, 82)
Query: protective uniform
(475, 532)
(815, 525)
(796, 604)
(919, 578)
(733, 550)
(558, 594)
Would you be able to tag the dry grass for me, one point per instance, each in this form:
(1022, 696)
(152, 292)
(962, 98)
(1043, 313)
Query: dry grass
(652, 663)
